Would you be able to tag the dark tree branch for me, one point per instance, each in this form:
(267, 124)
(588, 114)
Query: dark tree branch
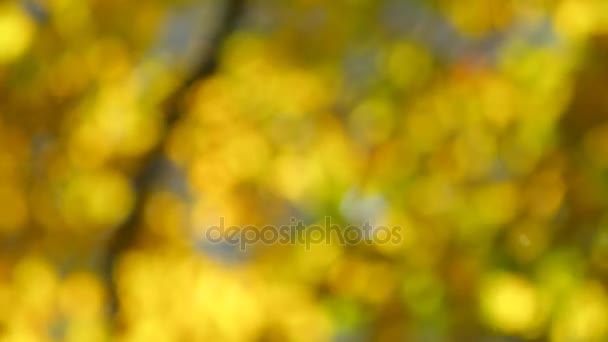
(125, 236)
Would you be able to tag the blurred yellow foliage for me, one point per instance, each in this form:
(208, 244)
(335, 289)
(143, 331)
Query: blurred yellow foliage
(16, 32)
(464, 143)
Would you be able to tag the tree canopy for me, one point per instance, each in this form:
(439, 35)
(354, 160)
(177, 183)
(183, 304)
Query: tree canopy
(476, 129)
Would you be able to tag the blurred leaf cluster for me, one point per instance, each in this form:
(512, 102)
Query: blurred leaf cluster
(480, 127)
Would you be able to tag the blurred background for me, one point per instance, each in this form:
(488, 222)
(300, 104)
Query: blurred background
(128, 128)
